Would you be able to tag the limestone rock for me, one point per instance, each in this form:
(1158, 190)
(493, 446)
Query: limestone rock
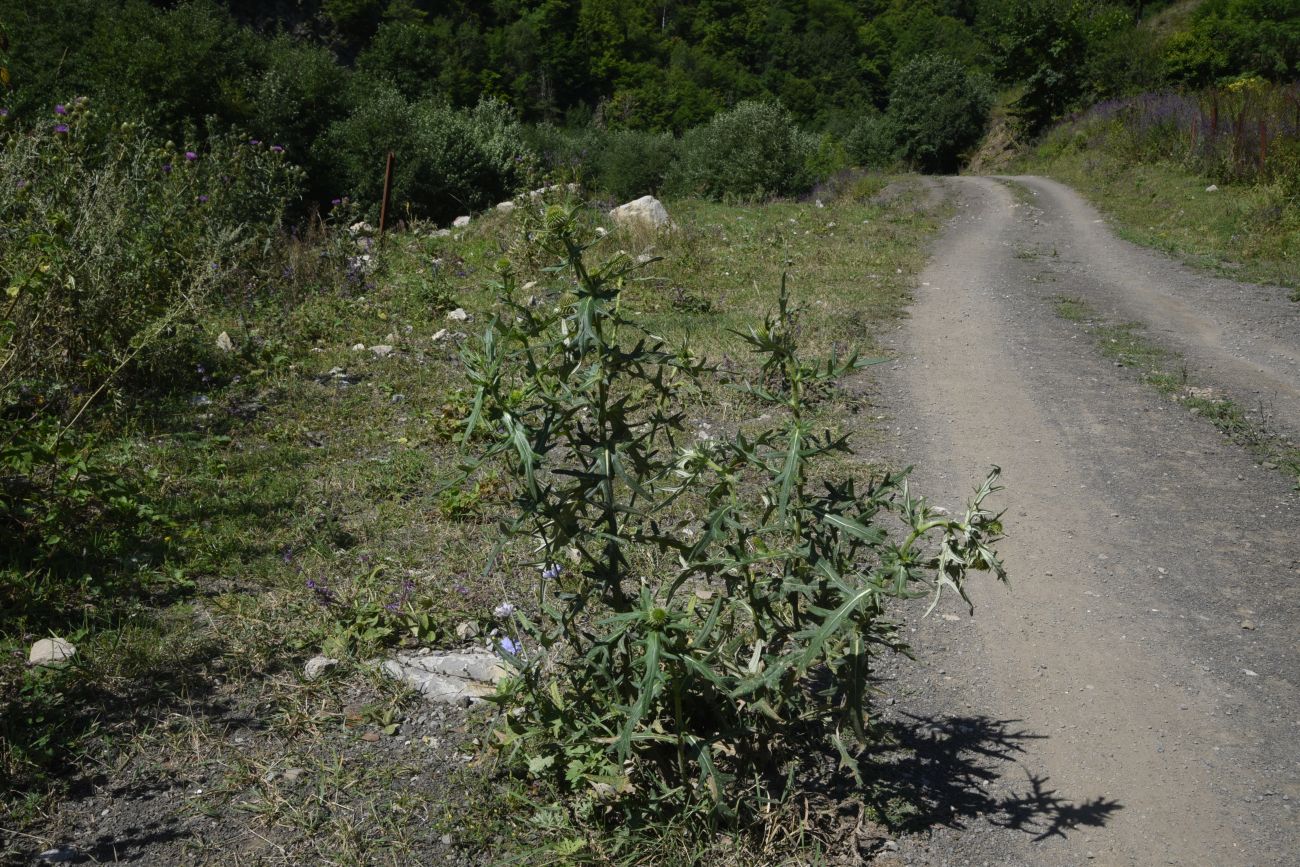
(224, 343)
(382, 350)
(319, 665)
(460, 222)
(51, 651)
(454, 678)
(645, 211)
(506, 207)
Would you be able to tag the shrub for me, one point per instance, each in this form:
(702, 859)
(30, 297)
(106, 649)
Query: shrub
(448, 161)
(301, 91)
(873, 142)
(707, 614)
(109, 239)
(633, 164)
(751, 152)
(938, 111)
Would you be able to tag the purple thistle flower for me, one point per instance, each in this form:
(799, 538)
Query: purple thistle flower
(255, 141)
(323, 594)
(167, 168)
(191, 156)
(61, 128)
(277, 149)
(60, 109)
(4, 112)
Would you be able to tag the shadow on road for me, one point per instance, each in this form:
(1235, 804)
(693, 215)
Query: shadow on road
(947, 771)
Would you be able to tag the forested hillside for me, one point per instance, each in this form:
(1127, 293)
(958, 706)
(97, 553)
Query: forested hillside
(338, 82)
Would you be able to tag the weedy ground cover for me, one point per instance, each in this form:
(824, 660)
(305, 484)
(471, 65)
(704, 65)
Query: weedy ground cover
(320, 502)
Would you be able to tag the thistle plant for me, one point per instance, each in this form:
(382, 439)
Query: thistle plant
(706, 611)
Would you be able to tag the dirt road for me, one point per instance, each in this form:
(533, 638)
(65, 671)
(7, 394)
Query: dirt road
(1133, 697)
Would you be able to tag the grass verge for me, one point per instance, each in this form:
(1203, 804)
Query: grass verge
(1126, 344)
(315, 491)
(1245, 233)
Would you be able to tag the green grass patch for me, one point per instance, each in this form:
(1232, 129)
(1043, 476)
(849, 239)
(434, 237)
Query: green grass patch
(1127, 344)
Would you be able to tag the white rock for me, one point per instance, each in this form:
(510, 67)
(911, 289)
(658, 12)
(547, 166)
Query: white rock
(441, 233)
(319, 665)
(458, 315)
(382, 350)
(506, 207)
(441, 333)
(59, 855)
(466, 630)
(51, 651)
(358, 347)
(224, 343)
(455, 678)
(361, 228)
(646, 210)
(1212, 188)
(460, 222)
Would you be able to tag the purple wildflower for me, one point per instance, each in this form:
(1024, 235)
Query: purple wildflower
(191, 156)
(61, 128)
(323, 594)
(4, 112)
(510, 647)
(202, 199)
(277, 149)
(60, 109)
(502, 611)
(551, 572)
(255, 141)
(22, 183)
(167, 168)
(336, 201)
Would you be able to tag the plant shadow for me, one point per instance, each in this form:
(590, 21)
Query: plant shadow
(943, 770)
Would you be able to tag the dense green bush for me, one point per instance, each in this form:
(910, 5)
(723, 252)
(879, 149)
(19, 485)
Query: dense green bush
(873, 142)
(633, 164)
(447, 161)
(751, 152)
(938, 111)
(1229, 38)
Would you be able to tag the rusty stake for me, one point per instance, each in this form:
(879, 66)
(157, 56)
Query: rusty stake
(388, 188)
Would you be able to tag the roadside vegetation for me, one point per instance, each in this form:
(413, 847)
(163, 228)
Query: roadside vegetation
(240, 426)
(261, 460)
(1211, 176)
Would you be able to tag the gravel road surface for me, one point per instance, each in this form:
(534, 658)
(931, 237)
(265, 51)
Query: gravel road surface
(1132, 697)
